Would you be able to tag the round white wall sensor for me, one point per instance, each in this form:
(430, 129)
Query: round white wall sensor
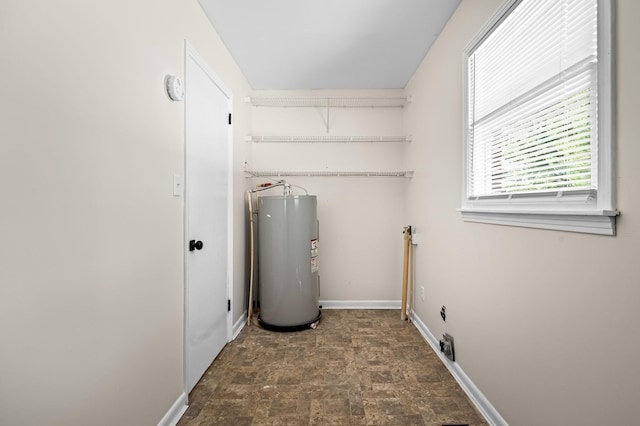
(174, 87)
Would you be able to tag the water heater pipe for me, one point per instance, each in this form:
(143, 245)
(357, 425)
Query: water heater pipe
(410, 274)
(405, 273)
(251, 267)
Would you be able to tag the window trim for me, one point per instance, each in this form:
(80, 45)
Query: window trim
(575, 212)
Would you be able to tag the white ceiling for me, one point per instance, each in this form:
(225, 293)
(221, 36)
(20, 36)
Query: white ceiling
(328, 44)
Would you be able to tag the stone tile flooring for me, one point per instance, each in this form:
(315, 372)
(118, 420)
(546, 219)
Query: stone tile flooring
(358, 367)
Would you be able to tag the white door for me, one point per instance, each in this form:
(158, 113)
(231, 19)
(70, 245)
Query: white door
(207, 224)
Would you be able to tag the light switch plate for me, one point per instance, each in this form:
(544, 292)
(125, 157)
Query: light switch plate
(177, 186)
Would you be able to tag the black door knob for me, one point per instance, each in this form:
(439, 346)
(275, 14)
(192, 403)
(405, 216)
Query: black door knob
(195, 245)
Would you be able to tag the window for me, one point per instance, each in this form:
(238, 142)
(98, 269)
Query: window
(538, 133)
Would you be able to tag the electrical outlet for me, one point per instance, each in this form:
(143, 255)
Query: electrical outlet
(422, 293)
(446, 346)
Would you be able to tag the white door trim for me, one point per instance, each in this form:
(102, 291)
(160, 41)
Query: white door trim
(191, 53)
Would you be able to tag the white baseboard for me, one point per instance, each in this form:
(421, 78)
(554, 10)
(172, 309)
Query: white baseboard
(239, 325)
(360, 304)
(483, 405)
(175, 412)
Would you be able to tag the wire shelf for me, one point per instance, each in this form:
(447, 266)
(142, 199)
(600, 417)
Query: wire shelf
(323, 173)
(326, 139)
(340, 102)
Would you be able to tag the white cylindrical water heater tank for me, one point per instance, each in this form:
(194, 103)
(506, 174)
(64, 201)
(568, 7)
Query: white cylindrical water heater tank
(288, 258)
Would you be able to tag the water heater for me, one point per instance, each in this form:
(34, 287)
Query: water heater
(289, 287)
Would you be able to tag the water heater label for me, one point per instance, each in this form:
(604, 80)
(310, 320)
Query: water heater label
(314, 255)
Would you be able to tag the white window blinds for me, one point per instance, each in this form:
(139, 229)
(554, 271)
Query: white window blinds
(532, 99)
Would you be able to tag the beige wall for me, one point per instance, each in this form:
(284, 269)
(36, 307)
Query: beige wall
(91, 257)
(91, 269)
(545, 322)
(361, 218)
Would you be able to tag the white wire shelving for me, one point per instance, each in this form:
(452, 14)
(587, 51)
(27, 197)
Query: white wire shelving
(328, 173)
(325, 139)
(329, 101)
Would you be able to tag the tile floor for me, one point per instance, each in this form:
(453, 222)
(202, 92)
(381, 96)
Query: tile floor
(358, 367)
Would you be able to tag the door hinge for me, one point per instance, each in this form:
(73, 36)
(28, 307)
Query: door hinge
(228, 305)
(229, 118)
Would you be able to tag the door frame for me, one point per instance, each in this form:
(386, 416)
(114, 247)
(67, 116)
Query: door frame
(191, 54)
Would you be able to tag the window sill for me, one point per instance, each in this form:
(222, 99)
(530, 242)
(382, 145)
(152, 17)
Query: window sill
(588, 222)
